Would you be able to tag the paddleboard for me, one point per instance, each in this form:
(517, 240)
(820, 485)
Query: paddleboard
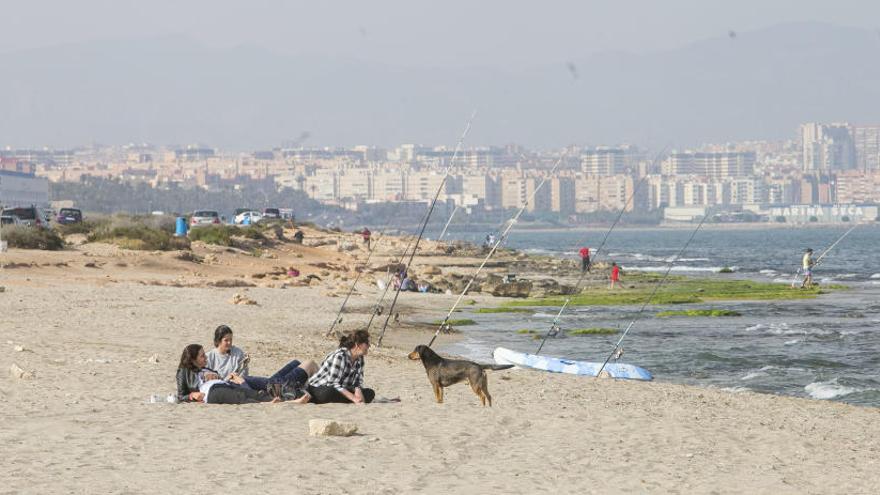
(556, 365)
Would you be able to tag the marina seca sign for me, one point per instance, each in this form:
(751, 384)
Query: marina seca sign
(826, 212)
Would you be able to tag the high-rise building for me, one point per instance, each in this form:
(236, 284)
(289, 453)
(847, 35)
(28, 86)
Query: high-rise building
(827, 147)
(867, 145)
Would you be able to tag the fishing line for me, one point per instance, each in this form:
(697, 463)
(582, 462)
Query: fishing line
(510, 224)
(425, 223)
(364, 265)
(554, 326)
(650, 297)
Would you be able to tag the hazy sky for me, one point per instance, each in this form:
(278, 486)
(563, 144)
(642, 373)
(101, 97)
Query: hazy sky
(412, 32)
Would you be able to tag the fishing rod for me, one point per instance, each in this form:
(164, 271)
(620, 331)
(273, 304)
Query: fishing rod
(447, 223)
(495, 246)
(616, 349)
(425, 222)
(554, 326)
(377, 308)
(338, 318)
(824, 253)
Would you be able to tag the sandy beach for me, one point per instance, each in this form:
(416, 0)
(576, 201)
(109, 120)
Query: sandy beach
(100, 340)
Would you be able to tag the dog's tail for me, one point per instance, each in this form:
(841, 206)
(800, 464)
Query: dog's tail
(496, 367)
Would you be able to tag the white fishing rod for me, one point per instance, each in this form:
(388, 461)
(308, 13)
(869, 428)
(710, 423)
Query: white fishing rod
(495, 246)
(554, 325)
(425, 223)
(615, 351)
(825, 253)
(447, 223)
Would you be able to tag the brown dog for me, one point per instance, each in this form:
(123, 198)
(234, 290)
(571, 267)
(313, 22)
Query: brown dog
(445, 372)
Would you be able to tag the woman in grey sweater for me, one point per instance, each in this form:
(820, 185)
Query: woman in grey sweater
(197, 383)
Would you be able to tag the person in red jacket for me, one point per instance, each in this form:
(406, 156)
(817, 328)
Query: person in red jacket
(615, 274)
(366, 233)
(585, 259)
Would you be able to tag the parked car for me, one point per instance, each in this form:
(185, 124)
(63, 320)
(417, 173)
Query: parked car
(204, 217)
(271, 213)
(9, 220)
(247, 217)
(68, 216)
(29, 215)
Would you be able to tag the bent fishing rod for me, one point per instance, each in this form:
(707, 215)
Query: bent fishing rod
(494, 248)
(554, 325)
(425, 222)
(650, 297)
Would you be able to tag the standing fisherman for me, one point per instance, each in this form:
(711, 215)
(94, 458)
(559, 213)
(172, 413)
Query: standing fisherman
(808, 269)
(366, 234)
(585, 259)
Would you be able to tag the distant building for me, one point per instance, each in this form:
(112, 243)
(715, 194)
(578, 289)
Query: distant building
(867, 147)
(827, 147)
(712, 164)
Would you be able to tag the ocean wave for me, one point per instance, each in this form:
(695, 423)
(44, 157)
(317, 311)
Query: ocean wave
(753, 374)
(768, 272)
(547, 315)
(828, 390)
(876, 275)
(792, 342)
(736, 390)
(678, 268)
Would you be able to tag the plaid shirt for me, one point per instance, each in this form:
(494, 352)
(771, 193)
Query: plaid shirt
(338, 371)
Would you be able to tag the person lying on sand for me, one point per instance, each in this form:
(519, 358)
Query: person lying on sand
(341, 376)
(197, 383)
(232, 365)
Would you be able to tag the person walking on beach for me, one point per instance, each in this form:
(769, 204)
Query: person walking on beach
(615, 274)
(585, 259)
(808, 269)
(366, 234)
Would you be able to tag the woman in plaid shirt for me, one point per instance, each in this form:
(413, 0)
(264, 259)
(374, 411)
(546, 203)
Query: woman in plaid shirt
(341, 376)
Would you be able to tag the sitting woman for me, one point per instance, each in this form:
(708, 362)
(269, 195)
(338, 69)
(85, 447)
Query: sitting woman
(196, 383)
(341, 376)
(232, 364)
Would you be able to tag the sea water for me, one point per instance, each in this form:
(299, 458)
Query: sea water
(826, 348)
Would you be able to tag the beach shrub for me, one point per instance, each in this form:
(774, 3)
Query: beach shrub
(814, 219)
(140, 233)
(254, 232)
(593, 331)
(713, 313)
(726, 269)
(84, 227)
(527, 331)
(24, 237)
(213, 234)
(780, 219)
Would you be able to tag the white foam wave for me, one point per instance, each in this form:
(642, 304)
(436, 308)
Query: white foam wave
(876, 275)
(792, 342)
(677, 268)
(828, 390)
(753, 374)
(768, 272)
(736, 390)
(546, 315)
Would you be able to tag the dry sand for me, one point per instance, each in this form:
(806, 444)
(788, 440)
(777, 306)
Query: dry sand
(82, 424)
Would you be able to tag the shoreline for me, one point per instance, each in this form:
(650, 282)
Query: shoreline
(101, 330)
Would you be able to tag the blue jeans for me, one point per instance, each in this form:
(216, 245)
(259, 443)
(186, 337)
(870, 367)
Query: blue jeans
(290, 373)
